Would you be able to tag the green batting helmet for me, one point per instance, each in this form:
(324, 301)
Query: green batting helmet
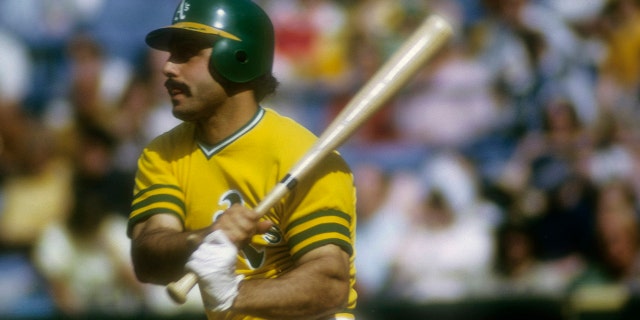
(242, 35)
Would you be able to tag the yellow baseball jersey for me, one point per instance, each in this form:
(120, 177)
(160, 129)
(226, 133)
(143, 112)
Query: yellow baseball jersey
(196, 182)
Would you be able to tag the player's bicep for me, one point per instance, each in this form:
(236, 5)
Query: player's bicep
(329, 266)
(331, 256)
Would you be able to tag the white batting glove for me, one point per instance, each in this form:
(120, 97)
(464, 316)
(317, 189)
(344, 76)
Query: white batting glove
(215, 264)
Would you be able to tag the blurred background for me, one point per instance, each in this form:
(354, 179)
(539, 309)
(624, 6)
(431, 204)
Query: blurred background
(501, 183)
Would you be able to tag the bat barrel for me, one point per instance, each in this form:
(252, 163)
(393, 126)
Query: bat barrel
(388, 80)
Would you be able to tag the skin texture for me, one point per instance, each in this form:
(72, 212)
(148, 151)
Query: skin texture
(161, 246)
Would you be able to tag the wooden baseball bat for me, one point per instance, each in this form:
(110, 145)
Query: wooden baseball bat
(388, 80)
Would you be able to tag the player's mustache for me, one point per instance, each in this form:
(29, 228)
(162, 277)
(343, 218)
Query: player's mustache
(173, 86)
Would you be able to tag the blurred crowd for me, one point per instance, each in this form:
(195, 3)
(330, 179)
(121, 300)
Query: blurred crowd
(509, 167)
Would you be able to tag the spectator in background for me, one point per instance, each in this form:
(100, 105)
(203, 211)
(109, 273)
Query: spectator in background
(504, 53)
(618, 262)
(580, 49)
(15, 77)
(85, 257)
(561, 58)
(453, 105)
(535, 53)
(609, 157)
(95, 173)
(382, 220)
(447, 249)
(518, 271)
(549, 163)
(619, 70)
(96, 85)
(35, 194)
(91, 97)
(29, 169)
(440, 258)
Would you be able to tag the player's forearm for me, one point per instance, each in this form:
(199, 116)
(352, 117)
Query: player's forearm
(159, 255)
(310, 291)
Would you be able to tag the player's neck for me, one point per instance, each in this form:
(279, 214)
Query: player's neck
(227, 119)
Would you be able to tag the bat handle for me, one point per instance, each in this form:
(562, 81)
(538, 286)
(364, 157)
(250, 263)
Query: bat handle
(179, 290)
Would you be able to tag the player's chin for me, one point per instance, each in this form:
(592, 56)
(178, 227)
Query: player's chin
(183, 114)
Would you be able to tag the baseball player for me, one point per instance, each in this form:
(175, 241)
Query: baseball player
(201, 179)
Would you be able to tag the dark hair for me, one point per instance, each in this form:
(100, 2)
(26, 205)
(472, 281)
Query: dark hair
(262, 86)
(502, 241)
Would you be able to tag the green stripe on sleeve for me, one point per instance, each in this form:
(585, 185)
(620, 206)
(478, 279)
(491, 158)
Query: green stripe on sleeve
(346, 246)
(156, 187)
(319, 214)
(146, 214)
(159, 198)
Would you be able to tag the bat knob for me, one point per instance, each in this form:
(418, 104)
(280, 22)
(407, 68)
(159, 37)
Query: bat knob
(179, 290)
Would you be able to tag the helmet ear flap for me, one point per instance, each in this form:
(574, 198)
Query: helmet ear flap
(233, 61)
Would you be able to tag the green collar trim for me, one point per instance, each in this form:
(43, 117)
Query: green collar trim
(210, 150)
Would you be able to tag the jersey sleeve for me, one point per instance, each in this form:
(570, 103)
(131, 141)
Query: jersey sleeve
(322, 209)
(156, 189)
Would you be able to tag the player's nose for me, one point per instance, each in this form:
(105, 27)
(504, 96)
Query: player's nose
(170, 69)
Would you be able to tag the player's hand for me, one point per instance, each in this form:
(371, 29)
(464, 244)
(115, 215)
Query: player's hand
(215, 264)
(240, 223)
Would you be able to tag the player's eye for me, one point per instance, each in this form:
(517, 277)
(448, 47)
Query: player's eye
(181, 56)
(182, 51)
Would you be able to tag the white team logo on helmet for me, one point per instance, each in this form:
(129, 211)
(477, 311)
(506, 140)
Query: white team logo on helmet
(181, 12)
